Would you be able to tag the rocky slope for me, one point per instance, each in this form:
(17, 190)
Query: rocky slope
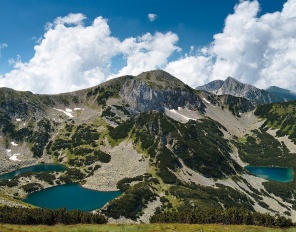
(233, 87)
(164, 144)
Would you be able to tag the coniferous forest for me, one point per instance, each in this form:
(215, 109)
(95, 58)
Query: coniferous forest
(41, 216)
(230, 216)
(188, 215)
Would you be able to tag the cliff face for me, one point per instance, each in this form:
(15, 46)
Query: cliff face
(142, 96)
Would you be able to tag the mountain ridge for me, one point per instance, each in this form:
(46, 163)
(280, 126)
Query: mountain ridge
(284, 93)
(236, 88)
(149, 135)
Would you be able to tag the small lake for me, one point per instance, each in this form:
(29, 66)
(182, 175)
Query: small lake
(70, 196)
(35, 168)
(272, 173)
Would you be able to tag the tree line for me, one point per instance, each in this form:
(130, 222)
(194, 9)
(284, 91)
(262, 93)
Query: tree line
(234, 216)
(41, 216)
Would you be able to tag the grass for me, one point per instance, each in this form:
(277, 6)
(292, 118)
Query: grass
(243, 139)
(19, 202)
(140, 228)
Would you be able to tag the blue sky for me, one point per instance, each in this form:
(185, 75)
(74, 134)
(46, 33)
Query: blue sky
(189, 34)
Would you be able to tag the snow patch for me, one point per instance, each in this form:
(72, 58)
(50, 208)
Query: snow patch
(176, 112)
(66, 112)
(14, 144)
(206, 101)
(18, 120)
(78, 109)
(14, 157)
(183, 115)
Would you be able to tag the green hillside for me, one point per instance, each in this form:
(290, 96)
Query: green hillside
(281, 116)
(166, 146)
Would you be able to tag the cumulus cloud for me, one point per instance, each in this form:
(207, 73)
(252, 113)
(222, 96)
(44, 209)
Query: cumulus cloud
(148, 52)
(152, 17)
(74, 19)
(256, 50)
(72, 56)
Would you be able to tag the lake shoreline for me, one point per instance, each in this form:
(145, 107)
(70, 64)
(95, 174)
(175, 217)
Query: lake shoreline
(61, 196)
(272, 173)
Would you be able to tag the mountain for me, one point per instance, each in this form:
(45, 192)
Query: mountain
(284, 93)
(165, 145)
(212, 86)
(234, 87)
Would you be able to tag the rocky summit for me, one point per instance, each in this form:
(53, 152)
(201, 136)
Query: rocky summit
(166, 146)
(233, 87)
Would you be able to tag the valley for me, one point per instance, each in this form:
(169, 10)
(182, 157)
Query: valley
(164, 145)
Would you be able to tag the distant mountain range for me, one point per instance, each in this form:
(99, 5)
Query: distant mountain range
(284, 93)
(233, 87)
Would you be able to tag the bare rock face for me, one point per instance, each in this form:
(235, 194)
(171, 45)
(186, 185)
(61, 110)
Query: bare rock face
(157, 90)
(212, 86)
(233, 87)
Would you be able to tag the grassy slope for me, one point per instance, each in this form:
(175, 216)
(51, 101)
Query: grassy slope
(281, 116)
(4, 198)
(139, 228)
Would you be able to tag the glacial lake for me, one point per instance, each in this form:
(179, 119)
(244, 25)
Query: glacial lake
(35, 168)
(272, 173)
(70, 196)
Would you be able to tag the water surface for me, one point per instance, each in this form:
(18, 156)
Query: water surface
(273, 173)
(70, 196)
(35, 168)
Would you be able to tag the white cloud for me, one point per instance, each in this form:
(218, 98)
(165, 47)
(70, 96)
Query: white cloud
(147, 52)
(192, 70)
(72, 56)
(256, 50)
(71, 19)
(152, 17)
(4, 45)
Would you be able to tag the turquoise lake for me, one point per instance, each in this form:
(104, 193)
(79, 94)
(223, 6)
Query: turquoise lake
(35, 168)
(70, 196)
(272, 173)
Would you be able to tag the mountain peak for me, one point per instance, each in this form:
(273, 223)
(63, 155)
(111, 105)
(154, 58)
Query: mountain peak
(211, 86)
(231, 79)
(161, 79)
(236, 88)
(157, 74)
(232, 86)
